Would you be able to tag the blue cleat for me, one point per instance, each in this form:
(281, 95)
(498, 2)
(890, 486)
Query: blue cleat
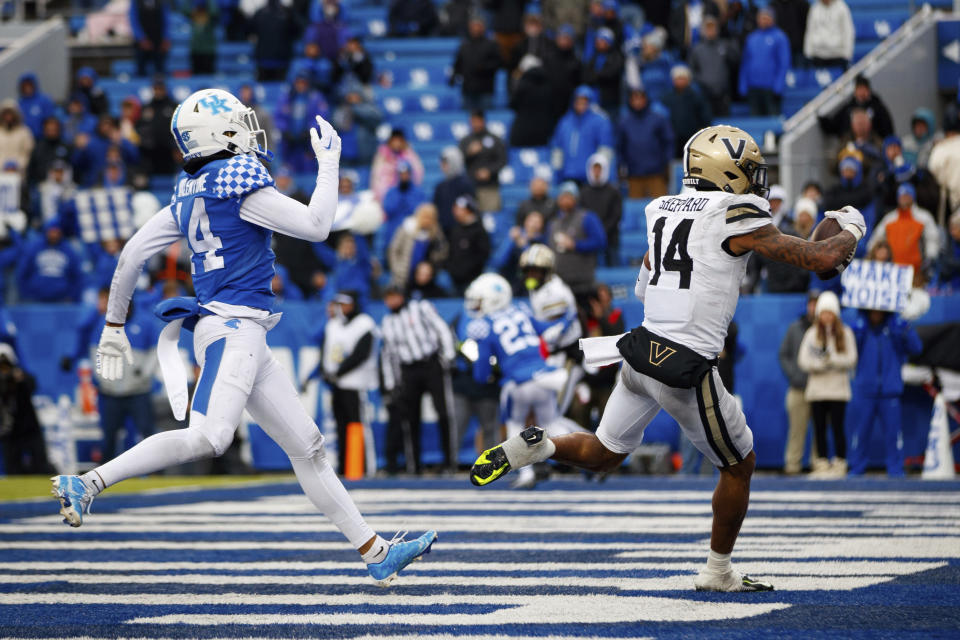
(399, 556)
(75, 498)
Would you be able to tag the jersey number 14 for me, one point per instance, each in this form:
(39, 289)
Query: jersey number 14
(201, 240)
(675, 258)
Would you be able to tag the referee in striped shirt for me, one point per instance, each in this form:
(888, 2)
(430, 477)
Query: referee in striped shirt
(415, 359)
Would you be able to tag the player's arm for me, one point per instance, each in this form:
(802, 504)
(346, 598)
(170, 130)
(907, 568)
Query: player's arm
(819, 256)
(272, 210)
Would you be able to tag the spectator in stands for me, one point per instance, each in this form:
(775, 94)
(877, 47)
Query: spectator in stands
(798, 407)
(455, 184)
(56, 188)
(944, 162)
(50, 146)
(650, 66)
(863, 139)
(353, 63)
(248, 96)
(24, 449)
(90, 152)
(418, 238)
(739, 21)
(293, 253)
(602, 196)
(129, 117)
(898, 171)
(910, 231)
(402, 199)
(863, 97)
(160, 154)
(412, 18)
(576, 237)
(884, 342)
(104, 257)
(16, 141)
(645, 145)
(686, 22)
(792, 20)
(35, 106)
(948, 265)
(534, 41)
(203, 15)
(77, 119)
(918, 144)
(560, 12)
(509, 22)
(713, 61)
(582, 132)
(539, 201)
(534, 103)
(469, 244)
(852, 190)
(485, 155)
(689, 109)
(275, 30)
(295, 115)
(283, 286)
(356, 120)
(828, 353)
(327, 28)
(94, 96)
(424, 283)
(764, 66)
(383, 172)
(49, 270)
(604, 72)
(319, 70)
(563, 69)
(829, 38)
(353, 267)
(507, 256)
(777, 276)
(475, 66)
(602, 319)
(149, 21)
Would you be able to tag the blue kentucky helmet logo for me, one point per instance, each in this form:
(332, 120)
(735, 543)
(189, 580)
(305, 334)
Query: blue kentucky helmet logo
(216, 104)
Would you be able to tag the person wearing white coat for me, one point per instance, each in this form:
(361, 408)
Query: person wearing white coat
(828, 41)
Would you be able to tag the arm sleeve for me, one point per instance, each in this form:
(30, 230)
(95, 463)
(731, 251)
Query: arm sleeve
(156, 234)
(272, 210)
(596, 239)
(359, 355)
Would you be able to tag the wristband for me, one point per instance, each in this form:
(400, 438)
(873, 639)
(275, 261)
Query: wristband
(855, 230)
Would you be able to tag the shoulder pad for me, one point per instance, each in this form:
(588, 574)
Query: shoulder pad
(478, 329)
(239, 176)
(745, 206)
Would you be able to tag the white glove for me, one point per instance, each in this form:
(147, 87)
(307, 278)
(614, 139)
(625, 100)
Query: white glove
(325, 142)
(114, 348)
(850, 220)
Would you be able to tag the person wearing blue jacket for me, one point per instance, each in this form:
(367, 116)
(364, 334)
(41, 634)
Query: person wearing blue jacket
(89, 158)
(644, 146)
(402, 199)
(297, 108)
(34, 105)
(884, 342)
(764, 66)
(49, 269)
(583, 131)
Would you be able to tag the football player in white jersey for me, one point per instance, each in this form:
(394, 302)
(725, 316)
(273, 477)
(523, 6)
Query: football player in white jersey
(699, 242)
(226, 206)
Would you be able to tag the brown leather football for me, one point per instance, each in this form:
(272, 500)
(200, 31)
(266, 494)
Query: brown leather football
(828, 228)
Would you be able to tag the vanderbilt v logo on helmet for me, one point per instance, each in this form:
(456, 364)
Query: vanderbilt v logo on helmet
(659, 353)
(724, 158)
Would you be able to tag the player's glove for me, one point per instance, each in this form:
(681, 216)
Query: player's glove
(113, 349)
(325, 142)
(850, 220)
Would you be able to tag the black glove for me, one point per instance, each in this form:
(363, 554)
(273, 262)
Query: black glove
(66, 363)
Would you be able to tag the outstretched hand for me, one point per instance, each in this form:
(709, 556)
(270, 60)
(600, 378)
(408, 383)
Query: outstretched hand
(325, 142)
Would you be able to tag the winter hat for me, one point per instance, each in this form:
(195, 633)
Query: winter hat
(467, 202)
(906, 188)
(605, 34)
(777, 193)
(828, 301)
(567, 30)
(804, 204)
(851, 162)
(569, 187)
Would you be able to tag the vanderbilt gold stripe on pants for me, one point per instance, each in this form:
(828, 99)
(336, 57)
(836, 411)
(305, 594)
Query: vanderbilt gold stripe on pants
(714, 426)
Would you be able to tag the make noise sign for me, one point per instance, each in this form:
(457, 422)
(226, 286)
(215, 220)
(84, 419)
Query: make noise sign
(882, 286)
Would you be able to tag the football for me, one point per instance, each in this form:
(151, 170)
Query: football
(828, 228)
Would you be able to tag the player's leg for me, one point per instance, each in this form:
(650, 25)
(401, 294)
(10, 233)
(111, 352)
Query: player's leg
(227, 360)
(276, 407)
(715, 424)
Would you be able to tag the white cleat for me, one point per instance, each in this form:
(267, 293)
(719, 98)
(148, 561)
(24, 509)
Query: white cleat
(728, 582)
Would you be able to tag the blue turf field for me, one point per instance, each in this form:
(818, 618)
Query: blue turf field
(850, 559)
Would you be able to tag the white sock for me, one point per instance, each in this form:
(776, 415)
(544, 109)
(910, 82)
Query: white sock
(327, 493)
(157, 452)
(521, 454)
(718, 563)
(93, 482)
(377, 552)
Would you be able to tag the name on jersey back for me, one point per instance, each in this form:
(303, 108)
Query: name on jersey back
(683, 204)
(192, 187)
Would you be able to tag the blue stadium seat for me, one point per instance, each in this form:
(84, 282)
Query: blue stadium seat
(634, 216)
(812, 78)
(446, 126)
(756, 126)
(384, 48)
(416, 72)
(877, 25)
(860, 49)
(633, 245)
(402, 100)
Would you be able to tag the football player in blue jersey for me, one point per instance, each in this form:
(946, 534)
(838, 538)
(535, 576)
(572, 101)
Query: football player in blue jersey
(225, 203)
(504, 332)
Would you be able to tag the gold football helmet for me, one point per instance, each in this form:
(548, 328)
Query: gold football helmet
(724, 158)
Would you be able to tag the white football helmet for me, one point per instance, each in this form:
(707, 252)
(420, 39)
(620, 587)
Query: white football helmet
(489, 293)
(213, 120)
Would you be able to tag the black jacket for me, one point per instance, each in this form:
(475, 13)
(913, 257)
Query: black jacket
(446, 193)
(412, 18)
(606, 77)
(547, 207)
(689, 112)
(276, 30)
(469, 250)
(606, 202)
(792, 20)
(564, 70)
(491, 156)
(839, 123)
(507, 15)
(534, 103)
(476, 63)
(156, 143)
(43, 156)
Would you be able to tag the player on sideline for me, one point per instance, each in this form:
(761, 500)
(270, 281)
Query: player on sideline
(226, 206)
(699, 244)
(505, 331)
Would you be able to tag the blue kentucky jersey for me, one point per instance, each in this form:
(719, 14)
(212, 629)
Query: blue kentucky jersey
(232, 261)
(509, 336)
